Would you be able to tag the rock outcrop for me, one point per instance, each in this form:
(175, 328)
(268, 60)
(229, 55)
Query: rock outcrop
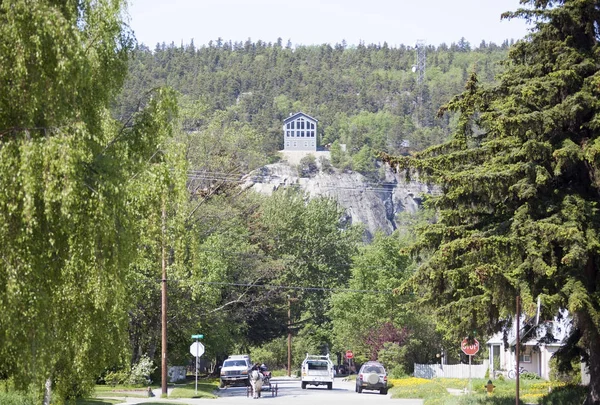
(373, 204)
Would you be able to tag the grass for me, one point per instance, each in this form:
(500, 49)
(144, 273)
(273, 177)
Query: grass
(206, 389)
(435, 391)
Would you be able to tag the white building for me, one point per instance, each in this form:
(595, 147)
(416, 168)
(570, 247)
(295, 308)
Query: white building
(300, 132)
(547, 337)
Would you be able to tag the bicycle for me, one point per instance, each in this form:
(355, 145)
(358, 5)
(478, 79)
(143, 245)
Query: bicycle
(513, 374)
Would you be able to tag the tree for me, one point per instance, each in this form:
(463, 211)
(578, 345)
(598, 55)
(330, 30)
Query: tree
(67, 235)
(518, 213)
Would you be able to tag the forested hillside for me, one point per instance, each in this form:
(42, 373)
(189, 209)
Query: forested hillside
(364, 96)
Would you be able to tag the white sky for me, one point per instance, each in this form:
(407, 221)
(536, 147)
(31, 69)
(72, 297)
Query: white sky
(310, 22)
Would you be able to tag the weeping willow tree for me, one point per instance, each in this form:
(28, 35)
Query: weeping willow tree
(520, 182)
(69, 185)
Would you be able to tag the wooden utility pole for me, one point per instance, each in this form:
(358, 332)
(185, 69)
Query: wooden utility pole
(164, 303)
(289, 365)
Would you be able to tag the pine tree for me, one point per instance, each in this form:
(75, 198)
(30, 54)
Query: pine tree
(520, 183)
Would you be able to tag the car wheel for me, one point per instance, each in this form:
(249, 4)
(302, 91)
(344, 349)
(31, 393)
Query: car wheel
(359, 389)
(329, 386)
(303, 385)
(222, 385)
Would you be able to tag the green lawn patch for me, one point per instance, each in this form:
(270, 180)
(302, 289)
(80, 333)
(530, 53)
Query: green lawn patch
(206, 389)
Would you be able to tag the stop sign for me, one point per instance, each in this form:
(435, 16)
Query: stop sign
(197, 349)
(349, 354)
(469, 349)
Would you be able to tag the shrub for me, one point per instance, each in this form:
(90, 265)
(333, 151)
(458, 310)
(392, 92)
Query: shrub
(307, 166)
(141, 371)
(116, 377)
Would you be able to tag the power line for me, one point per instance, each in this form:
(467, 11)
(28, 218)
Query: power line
(286, 287)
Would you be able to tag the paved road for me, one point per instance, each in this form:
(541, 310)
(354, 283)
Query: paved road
(290, 392)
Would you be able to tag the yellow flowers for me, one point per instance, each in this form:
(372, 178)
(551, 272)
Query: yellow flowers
(407, 382)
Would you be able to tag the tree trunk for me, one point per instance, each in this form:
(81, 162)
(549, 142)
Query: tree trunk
(593, 397)
(48, 391)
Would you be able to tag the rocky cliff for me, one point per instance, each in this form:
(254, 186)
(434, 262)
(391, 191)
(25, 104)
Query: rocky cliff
(373, 204)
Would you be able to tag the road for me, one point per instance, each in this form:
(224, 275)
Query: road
(290, 392)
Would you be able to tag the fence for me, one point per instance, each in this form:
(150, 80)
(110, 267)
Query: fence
(451, 371)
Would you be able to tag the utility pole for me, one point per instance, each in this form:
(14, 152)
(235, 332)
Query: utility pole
(164, 303)
(289, 366)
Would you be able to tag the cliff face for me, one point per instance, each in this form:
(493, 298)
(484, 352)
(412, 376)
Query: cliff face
(374, 205)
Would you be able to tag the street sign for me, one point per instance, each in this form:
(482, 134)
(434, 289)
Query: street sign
(349, 354)
(197, 336)
(197, 349)
(469, 349)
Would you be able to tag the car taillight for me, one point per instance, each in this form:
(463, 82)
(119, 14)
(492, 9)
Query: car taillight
(360, 376)
(385, 378)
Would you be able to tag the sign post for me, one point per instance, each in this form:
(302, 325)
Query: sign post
(197, 350)
(470, 350)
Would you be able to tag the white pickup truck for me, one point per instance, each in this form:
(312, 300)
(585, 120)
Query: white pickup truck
(317, 370)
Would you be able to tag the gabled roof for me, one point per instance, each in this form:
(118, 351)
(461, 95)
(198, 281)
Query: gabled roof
(551, 332)
(299, 114)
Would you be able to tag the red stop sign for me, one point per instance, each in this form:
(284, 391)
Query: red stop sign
(349, 354)
(469, 349)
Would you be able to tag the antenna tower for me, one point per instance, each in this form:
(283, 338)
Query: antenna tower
(419, 69)
(421, 59)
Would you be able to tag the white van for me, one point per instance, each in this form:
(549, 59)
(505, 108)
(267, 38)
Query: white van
(317, 370)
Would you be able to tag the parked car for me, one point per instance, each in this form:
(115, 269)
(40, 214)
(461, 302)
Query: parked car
(372, 376)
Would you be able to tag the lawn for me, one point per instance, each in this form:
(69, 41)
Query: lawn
(206, 389)
(435, 391)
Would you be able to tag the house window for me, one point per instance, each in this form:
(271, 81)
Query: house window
(302, 134)
(288, 133)
(292, 124)
(525, 358)
(312, 134)
(312, 126)
(288, 125)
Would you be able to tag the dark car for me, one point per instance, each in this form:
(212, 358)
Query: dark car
(372, 376)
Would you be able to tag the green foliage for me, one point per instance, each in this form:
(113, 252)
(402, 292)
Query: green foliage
(570, 375)
(117, 377)
(307, 166)
(273, 354)
(565, 395)
(518, 209)
(361, 95)
(141, 372)
(69, 186)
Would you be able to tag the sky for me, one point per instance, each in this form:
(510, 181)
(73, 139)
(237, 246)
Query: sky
(315, 22)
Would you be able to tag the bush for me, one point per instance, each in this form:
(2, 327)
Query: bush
(116, 377)
(307, 166)
(141, 371)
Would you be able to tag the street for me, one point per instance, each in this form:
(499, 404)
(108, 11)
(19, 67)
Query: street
(289, 391)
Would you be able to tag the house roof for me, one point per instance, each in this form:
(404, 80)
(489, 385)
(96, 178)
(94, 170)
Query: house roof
(551, 333)
(297, 115)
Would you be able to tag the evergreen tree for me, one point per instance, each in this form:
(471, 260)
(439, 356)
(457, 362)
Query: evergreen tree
(518, 212)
